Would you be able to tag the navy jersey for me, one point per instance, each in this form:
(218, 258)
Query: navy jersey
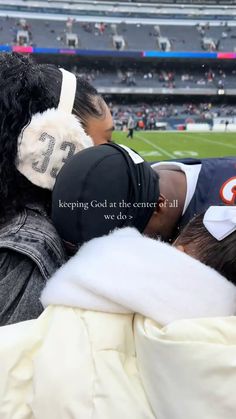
(216, 185)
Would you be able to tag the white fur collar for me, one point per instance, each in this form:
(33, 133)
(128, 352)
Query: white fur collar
(127, 272)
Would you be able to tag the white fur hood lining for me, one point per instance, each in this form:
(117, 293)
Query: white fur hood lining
(126, 272)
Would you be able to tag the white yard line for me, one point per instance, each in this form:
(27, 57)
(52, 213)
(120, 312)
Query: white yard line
(210, 141)
(155, 146)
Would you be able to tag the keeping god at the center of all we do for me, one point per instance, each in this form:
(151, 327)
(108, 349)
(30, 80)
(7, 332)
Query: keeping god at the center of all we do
(121, 204)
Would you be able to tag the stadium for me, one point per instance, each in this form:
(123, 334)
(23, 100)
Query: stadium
(169, 65)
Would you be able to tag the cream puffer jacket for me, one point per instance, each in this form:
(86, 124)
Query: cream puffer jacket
(88, 356)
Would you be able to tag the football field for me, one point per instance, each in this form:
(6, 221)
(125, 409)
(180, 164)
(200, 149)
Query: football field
(156, 145)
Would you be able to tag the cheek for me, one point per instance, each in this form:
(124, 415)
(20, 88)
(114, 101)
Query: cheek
(96, 133)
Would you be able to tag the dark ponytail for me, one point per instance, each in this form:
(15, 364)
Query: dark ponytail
(26, 89)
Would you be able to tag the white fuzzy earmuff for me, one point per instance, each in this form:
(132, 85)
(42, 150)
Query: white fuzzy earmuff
(51, 138)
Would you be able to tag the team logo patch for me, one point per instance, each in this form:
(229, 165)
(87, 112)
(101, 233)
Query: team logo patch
(228, 191)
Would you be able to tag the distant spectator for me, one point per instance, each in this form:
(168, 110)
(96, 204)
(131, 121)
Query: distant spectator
(102, 28)
(69, 24)
(130, 126)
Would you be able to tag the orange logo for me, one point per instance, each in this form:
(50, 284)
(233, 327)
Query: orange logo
(228, 191)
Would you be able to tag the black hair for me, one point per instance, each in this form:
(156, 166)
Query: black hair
(219, 255)
(26, 89)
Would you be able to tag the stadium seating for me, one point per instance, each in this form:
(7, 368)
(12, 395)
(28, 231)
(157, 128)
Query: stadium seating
(208, 2)
(135, 75)
(173, 114)
(52, 33)
(158, 76)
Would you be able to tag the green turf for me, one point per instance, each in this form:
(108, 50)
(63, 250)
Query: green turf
(172, 145)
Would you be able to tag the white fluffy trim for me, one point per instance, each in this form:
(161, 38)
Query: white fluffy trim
(46, 143)
(127, 272)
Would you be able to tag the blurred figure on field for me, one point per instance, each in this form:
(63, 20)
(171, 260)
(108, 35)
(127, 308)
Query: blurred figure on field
(131, 126)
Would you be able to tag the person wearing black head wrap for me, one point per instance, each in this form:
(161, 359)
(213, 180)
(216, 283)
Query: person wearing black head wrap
(103, 188)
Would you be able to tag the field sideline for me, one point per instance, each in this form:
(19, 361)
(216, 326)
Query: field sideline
(156, 145)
